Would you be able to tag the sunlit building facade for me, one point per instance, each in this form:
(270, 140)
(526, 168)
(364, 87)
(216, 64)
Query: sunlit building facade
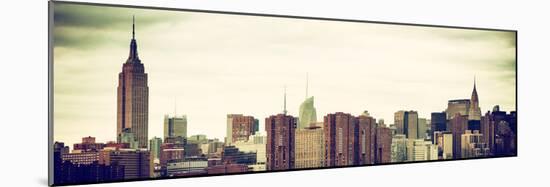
(255, 144)
(240, 127)
(399, 148)
(310, 147)
(472, 145)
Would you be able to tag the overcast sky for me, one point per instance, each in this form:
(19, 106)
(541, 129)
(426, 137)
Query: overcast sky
(209, 65)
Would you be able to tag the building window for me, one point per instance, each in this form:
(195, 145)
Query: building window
(363, 141)
(340, 140)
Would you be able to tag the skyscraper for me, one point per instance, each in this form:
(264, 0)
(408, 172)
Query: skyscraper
(457, 106)
(175, 126)
(411, 124)
(133, 97)
(474, 112)
(447, 145)
(438, 123)
(383, 145)
(406, 123)
(459, 124)
(367, 139)
(310, 147)
(422, 128)
(280, 141)
(488, 130)
(444, 142)
(308, 114)
(280, 146)
(340, 137)
(240, 127)
(498, 132)
(154, 147)
(399, 148)
(399, 122)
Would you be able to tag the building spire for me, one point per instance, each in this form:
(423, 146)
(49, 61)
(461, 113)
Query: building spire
(474, 92)
(474, 82)
(133, 26)
(284, 104)
(474, 112)
(133, 57)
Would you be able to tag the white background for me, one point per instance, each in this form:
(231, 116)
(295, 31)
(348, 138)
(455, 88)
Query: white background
(23, 92)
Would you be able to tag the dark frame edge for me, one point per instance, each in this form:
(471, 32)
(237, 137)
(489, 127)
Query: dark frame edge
(50, 93)
(517, 92)
(280, 16)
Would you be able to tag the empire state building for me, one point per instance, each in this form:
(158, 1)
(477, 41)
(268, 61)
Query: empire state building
(133, 97)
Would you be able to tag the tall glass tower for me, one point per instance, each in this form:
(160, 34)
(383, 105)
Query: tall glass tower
(308, 114)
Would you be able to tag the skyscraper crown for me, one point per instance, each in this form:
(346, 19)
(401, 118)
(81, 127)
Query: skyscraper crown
(474, 112)
(474, 93)
(133, 57)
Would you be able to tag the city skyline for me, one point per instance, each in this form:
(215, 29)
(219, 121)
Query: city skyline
(258, 91)
(234, 89)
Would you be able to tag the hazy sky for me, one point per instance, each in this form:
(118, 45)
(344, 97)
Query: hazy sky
(216, 64)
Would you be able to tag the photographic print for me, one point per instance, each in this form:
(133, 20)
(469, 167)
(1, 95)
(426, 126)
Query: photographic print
(141, 93)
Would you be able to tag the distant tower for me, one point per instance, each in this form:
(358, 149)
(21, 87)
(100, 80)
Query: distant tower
(240, 128)
(474, 112)
(133, 97)
(280, 145)
(341, 139)
(175, 126)
(406, 123)
(366, 127)
(457, 106)
(308, 114)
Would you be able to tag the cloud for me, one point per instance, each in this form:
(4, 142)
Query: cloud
(86, 27)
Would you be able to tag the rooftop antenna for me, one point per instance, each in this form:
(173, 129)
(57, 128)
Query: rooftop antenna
(133, 26)
(175, 106)
(474, 80)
